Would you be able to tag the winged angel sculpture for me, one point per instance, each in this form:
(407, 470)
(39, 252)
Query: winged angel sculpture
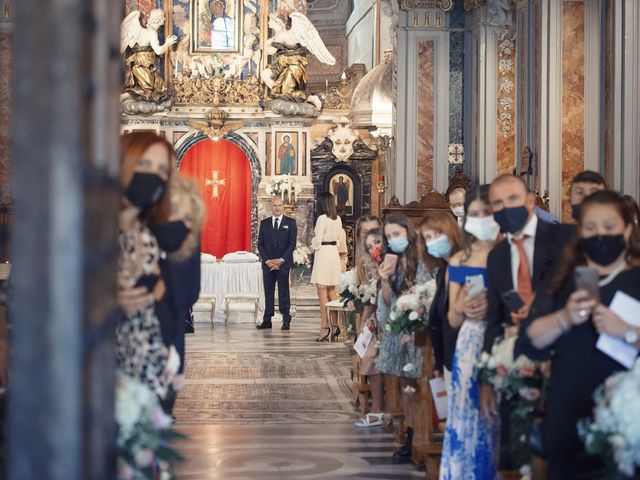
(144, 90)
(286, 77)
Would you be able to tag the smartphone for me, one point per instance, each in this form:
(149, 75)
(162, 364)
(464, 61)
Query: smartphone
(148, 281)
(587, 278)
(390, 261)
(512, 300)
(475, 282)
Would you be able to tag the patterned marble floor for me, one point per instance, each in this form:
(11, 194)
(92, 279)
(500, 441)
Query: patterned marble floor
(275, 405)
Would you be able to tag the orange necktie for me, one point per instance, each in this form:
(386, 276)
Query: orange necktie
(525, 289)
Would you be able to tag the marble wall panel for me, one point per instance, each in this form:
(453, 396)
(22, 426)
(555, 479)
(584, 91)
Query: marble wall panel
(6, 54)
(506, 107)
(426, 116)
(572, 97)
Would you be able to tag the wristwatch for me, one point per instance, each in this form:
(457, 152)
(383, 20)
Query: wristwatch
(631, 336)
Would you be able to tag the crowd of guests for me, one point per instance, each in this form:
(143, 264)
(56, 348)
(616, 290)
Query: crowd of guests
(502, 268)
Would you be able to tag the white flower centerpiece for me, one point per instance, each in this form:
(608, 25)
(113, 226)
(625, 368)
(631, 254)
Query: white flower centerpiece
(355, 294)
(411, 310)
(302, 257)
(285, 186)
(614, 431)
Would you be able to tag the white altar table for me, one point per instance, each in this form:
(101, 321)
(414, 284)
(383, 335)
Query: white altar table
(219, 279)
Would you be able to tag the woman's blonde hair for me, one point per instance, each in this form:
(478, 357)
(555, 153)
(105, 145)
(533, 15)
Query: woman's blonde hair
(183, 189)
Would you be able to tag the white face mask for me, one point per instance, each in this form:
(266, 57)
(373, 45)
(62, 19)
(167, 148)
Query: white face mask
(485, 229)
(458, 211)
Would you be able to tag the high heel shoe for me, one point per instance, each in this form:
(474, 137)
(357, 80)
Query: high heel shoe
(335, 334)
(326, 337)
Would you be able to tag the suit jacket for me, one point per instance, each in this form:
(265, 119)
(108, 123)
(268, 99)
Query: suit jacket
(443, 335)
(281, 244)
(549, 246)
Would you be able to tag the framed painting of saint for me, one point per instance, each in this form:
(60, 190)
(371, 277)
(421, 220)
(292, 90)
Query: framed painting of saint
(341, 186)
(215, 26)
(287, 150)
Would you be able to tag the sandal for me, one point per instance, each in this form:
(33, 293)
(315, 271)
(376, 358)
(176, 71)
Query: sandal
(370, 420)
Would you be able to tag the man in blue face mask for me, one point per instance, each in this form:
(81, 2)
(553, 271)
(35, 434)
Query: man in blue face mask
(517, 267)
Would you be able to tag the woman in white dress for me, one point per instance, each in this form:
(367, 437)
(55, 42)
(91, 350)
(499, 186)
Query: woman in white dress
(326, 262)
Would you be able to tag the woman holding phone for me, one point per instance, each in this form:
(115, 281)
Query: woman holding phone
(404, 266)
(569, 321)
(467, 451)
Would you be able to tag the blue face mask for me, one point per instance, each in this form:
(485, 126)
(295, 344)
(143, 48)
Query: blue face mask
(439, 247)
(512, 219)
(398, 244)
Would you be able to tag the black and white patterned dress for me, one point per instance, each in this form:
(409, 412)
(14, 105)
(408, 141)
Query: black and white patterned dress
(140, 350)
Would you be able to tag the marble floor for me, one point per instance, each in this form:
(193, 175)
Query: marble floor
(275, 405)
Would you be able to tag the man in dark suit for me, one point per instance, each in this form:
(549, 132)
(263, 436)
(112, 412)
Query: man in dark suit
(522, 263)
(276, 243)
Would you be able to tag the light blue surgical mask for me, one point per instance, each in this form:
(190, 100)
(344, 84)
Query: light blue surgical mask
(439, 247)
(398, 244)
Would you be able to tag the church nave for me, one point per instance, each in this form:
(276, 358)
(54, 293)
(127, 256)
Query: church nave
(274, 405)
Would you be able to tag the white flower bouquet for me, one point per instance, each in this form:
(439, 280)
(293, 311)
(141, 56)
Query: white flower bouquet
(144, 431)
(411, 310)
(302, 257)
(614, 431)
(356, 294)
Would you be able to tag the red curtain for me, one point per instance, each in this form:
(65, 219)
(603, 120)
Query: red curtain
(222, 171)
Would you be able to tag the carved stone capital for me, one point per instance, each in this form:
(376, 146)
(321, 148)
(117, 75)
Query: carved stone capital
(499, 12)
(444, 5)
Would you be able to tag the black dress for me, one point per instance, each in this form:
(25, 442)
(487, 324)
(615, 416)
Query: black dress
(577, 369)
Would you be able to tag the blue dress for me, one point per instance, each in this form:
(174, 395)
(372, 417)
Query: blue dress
(468, 448)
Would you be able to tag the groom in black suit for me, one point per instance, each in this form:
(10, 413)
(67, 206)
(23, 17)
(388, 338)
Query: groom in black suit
(276, 243)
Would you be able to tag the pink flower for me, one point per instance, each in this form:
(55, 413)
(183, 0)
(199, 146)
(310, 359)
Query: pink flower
(125, 472)
(178, 382)
(502, 371)
(405, 339)
(159, 419)
(527, 370)
(144, 457)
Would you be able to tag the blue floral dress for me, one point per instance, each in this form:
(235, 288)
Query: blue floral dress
(468, 449)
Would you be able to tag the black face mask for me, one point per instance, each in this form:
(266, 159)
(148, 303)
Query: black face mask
(575, 211)
(170, 235)
(604, 249)
(512, 219)
(145, 189)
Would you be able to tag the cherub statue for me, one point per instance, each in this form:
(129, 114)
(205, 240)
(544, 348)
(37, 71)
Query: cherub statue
(236, 62)
(287, 75)
(141, 47)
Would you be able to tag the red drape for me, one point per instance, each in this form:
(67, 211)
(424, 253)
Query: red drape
(224, 165)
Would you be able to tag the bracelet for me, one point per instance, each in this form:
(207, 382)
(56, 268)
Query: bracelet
(560, 320)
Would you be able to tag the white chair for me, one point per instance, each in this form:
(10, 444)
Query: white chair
(205, 305)
(243, 302)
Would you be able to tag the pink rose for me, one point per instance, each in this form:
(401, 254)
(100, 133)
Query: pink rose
(125, 472)
(502, 371)
(178, 382)
(159, 419)
(144, 457)
(527, 370)
(405, 339)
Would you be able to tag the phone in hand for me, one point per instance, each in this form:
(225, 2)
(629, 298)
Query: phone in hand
(148, 281)
(475, 283)
(390, 261)
(587, 279)
(512, 300)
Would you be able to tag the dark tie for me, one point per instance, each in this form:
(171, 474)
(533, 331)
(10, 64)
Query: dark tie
(275, 227)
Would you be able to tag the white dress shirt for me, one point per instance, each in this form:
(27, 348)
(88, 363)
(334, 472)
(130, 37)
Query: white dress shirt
(273, 221)
(529, 248)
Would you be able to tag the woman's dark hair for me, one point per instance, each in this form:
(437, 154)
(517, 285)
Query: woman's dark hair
(444, 222)
(633, 205)
(415, 251)
(327, 205)
(574, 254)
(479, 192)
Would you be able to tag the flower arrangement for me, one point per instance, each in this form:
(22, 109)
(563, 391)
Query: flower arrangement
(284, 184)
(301, 257)
(411, 310)
(518, 381)
(354, 293)
(144, 431)
(614, 431)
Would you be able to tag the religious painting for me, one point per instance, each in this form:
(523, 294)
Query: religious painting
(287, 150)
(215, 26)
(342, 188)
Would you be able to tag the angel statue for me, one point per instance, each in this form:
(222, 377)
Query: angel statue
(287, 75)
(141, 47)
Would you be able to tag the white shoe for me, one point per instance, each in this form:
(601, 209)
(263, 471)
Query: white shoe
(370, 420)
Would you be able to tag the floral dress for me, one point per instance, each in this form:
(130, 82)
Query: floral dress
(467, 451)
(140, 351)
(393, 354)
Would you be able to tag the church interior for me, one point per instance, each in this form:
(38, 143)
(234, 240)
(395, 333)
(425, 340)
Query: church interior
(389, 105)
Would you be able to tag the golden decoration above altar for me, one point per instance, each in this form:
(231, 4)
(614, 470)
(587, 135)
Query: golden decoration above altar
(217, 91)
(216, 126)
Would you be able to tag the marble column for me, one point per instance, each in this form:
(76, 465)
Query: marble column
(422, 106)
(62, 378)
(622, 80)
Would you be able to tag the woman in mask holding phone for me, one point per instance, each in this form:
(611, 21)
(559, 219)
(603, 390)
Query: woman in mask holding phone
(469, 441)
(404, 266)
(568, 320)
(147, 167)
